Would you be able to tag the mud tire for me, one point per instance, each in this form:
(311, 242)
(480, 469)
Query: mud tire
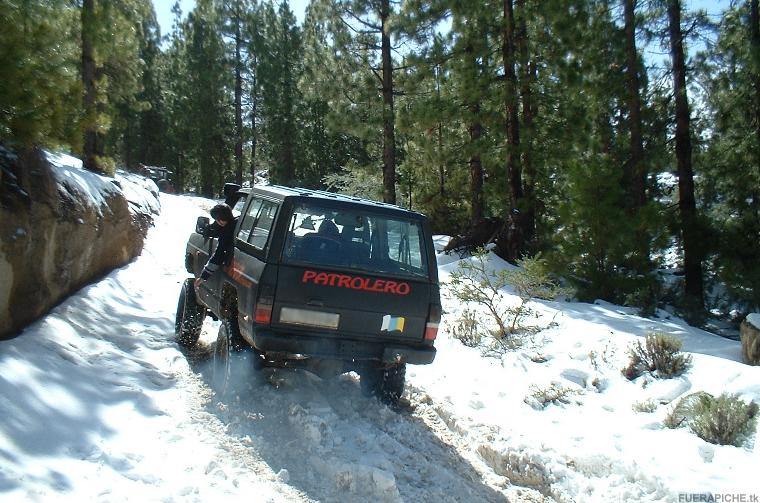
(190, 315)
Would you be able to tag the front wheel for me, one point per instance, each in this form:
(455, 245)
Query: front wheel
(190, 315)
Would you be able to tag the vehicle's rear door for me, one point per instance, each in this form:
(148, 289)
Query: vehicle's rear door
(251, 247)
(353, 272)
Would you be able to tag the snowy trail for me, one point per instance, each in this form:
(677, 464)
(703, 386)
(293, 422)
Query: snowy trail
(104, 406)
(99, 405)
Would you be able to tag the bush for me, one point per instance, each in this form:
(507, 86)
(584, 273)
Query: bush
(467, 329)
(473, 282)
(647, 406)
(726, 420)
(661, 353)
(555, 393)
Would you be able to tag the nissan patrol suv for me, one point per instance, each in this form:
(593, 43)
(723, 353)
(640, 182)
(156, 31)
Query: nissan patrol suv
(320, 281)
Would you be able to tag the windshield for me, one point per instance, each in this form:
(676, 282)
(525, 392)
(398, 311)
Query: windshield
(355, 238)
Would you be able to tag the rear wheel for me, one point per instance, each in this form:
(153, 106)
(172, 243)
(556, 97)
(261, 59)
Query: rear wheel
(221, 371)
(393, 383)
(190, 315)
(387, 384)
(233, 360)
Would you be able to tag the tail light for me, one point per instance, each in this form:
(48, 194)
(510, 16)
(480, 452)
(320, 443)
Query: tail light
(434, 318)
(264, 303)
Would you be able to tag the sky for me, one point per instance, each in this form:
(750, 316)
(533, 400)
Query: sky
(165, 17)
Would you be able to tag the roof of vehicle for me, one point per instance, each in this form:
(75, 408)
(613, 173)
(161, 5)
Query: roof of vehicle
(282, 192)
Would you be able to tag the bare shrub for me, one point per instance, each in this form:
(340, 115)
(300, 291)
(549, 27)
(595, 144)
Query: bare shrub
(647, 406)
(660, 355)
(474, 283)
(555, 393)
(467, 329)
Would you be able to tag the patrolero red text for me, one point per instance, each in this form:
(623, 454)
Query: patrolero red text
(356, 282)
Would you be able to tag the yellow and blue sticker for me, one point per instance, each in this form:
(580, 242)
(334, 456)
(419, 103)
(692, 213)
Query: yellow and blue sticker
(392, 323)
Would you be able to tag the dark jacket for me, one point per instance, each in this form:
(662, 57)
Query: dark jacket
(222, 256)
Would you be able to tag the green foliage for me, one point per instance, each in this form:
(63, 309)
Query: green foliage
(354, 180)
(39, 89)
(474, 282)
(661, 353)
(731, 163)
(725, 420)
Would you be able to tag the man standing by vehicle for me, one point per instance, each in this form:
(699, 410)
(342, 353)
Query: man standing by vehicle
(223, 228)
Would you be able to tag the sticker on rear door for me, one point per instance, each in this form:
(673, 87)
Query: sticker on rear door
(392, 323)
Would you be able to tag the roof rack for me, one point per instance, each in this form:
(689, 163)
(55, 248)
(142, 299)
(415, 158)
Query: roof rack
(300, 191)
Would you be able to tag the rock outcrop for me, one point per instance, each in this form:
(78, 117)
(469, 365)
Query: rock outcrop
(59, 230)
(750, 335)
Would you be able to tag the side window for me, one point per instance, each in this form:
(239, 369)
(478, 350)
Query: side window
(263, 225)
(249, 219)
(238, 208)
(404, 244)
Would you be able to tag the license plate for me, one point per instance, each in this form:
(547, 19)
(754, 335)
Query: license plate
(309, 318)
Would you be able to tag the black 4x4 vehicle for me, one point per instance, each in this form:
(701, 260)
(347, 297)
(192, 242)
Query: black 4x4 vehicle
(321, 281)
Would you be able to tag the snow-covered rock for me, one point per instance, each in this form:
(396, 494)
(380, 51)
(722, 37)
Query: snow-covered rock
(61, 227)
(750, 335)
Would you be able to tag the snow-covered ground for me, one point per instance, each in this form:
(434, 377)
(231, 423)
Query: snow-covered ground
(97, 403)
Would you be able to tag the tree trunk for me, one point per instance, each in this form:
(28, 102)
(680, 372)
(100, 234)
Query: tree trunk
(686, 202)
(238, 99)
(635, 172)
(254, 112)
(526, 94)
(476, 168)
(511, 241)
(441, 164)
(754, 30)
(389, 139)
(475, 129)
(89, 100)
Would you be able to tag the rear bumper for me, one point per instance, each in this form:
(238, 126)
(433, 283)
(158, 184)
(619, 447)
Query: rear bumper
(342, 349)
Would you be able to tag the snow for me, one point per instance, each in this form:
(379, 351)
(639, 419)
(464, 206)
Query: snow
(92, 190)
(754, 320)
(98, 403)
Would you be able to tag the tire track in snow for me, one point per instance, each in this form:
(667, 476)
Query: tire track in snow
(330, 442)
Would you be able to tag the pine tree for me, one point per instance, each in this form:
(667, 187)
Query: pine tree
(208, 97)
(361, 33)
(731, 185)
(278, 72)
(686, 199)
(234, 13)
(39, 96)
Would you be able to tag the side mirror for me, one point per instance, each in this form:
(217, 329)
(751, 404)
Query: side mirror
(201, 225)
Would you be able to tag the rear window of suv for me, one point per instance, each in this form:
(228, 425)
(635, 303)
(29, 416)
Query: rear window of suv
(355, 238)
